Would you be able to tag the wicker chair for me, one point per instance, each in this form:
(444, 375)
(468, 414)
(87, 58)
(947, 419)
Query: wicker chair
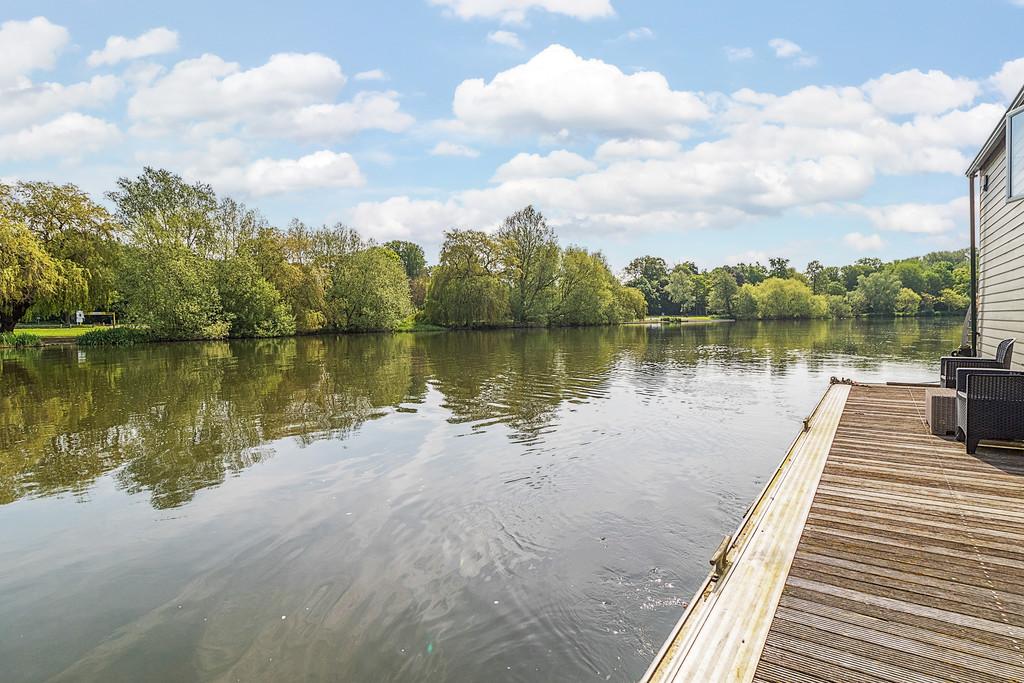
(948, 365)
(989, 405)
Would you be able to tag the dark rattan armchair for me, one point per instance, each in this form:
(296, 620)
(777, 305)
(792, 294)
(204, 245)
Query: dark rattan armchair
(989, 405)
(950, 364)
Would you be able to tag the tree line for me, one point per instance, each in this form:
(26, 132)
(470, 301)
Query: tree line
(935, 283)
(178, 262)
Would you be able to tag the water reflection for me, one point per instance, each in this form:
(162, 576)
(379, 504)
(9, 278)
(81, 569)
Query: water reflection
(175, 418)
(514, 505)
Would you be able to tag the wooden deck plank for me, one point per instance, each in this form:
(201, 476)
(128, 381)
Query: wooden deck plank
(909, 565)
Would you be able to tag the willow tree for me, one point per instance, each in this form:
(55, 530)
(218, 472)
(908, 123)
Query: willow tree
(466, 289)
(32, 278)
(369, 291)
(73, 230)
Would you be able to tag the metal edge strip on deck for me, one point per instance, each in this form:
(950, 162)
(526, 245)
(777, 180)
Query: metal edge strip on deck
(722, 632)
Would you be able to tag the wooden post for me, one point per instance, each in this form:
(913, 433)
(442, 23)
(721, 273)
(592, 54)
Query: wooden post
(974, 274)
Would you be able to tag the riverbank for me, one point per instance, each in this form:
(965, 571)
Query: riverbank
(127, 336)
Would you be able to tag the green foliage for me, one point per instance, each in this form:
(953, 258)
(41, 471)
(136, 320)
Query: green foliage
(174, 293)
(781, 299)
(31, 278)
(19, 340)
(369, 291)
(588, 293)
(744, 303)
(779, 268)
(839, 306)
(465, 288)
(721, 290)
(880, 290)
(954, 300)
(413, 260)
(159, 210)
(252, 306)
(649, 275)
(908, 302)
(529, 255)
(115, 336)
(681, 288)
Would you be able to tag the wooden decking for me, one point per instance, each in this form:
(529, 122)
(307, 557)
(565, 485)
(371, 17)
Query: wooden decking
(909, 566)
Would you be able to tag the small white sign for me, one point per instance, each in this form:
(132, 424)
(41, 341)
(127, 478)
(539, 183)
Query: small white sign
(79, 317)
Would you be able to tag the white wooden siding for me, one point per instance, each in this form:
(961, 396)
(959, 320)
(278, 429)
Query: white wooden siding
(1000, 264)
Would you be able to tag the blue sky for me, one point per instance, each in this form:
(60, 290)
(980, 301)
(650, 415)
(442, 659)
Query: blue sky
(712, 132)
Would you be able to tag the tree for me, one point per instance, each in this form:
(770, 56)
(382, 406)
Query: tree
(586, 290)
(908, 302)
(814, 273)
(173, 293)
(369, 291)
(252, 306)
(779, 268)
(911, 273)
(529, 256)
(839, 307)
(954, 300)
(753, 273)
(30, 277)
(413, 260)
(880, 290)
(649, 274)
(159, 209)
(722, 289)
(681, 288)
(744, 304)
(71, 228)
(778, 299)
(465, 289)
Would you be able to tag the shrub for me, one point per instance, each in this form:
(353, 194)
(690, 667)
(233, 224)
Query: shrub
(908, 302)
(115, 336)
(839, 307)
(19, 340)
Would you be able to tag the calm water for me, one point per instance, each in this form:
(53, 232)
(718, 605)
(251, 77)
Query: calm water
(522, 505)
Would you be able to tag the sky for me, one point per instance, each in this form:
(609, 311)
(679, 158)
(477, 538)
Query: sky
(712, 132)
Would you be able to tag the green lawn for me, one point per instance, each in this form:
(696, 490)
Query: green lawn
(73, 331)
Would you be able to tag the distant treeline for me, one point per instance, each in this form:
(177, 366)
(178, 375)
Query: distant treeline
(935, 283)
(177, 262)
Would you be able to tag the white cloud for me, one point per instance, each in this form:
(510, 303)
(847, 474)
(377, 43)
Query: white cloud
(787, 49)
(376, 110)
(155, 41)
(70, 135)
(919, 218)
(636, 148)
(506, 38)
(451, 149)
(210, 88)
(784, 49)
(914, 92)
(371, 75)
(558, 164)
(1009, 79)
(403, 218)
(559, 93)
(738, 54)
(34, 103)
(635, 34)
(323, 169)
(27, 46)
(290, 96)
(514, 11)
(860, 242)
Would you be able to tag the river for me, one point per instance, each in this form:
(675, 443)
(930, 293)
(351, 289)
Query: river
(524, 505)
